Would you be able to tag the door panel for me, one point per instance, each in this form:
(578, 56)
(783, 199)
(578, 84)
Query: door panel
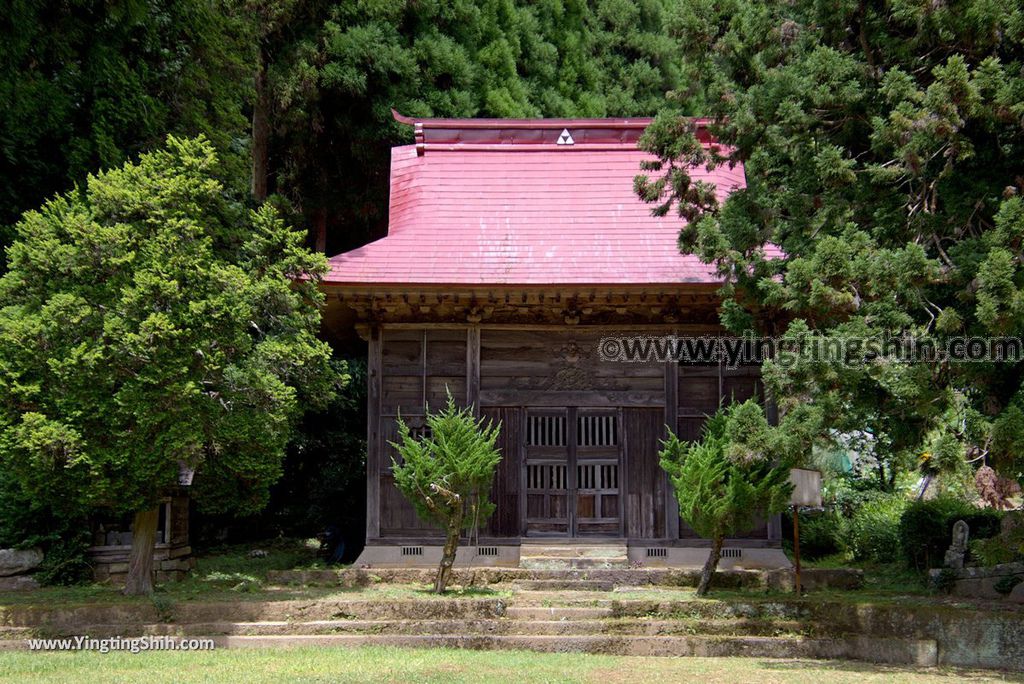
(547, 473)
(597, 473)
(572, 472)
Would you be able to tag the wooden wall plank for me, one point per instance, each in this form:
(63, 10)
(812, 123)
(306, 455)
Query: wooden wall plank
(645, 480)
(506, 491)
(561, 368)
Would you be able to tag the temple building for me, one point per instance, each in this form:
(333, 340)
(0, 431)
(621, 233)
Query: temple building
(514, 248)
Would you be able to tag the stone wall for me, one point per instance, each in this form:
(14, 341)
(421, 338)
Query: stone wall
(983, 583)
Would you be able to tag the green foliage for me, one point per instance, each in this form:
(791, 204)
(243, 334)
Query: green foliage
(944, 581)
(721, 484)
(447, 475)
(66, 560)
(148, 320)
(1006, 547)
(872, 532)
(881, 144)
(86, 85)
(325, 463)
(59, 528)
(326, 458)
(997, 550)
(1006, 584)
(337, 69)
(926, 528)
(820, 534)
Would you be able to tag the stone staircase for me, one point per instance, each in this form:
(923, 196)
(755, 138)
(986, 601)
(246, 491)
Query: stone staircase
(663, 622)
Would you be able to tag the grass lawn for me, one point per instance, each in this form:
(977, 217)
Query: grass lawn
(444, 666)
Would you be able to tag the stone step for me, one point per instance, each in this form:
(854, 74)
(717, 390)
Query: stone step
(506, 626)
(565, 563)
(918, 652)
(538, 599)
(674, 577)
(556, 584)
(56, 617)
(15, 632)
(557, 612)
(608, 551)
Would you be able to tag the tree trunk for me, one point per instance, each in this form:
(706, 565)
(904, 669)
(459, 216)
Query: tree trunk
(451, 545)
(709, 567)
(260, 131)
(320, 229)
(140, 563)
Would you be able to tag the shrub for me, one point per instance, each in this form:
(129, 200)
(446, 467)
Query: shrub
(926, 528)
(1006, 547)
(1006, 584)
(820, 533)
(62, 534)
(944, 581)
(66, 559)
(872, 532)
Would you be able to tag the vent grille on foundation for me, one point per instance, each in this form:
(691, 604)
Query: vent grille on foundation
(487, 551)
(412, 550)
(732, 553)
(657, 553)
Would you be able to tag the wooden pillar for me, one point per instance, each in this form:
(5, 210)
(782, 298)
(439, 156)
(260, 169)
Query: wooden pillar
(671, 416)
(373, 442)
(473, 368)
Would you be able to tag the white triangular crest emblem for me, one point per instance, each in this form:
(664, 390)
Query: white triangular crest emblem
(565, 138)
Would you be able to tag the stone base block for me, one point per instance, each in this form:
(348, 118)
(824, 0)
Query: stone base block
(424, 556)
(18, 583)
(691, 557)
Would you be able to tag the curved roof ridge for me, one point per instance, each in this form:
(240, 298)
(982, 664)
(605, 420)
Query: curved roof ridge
(564, 133)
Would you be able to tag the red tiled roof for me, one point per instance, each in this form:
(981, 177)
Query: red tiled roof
(496, 202)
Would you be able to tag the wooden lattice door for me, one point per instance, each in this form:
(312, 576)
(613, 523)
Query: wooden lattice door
(571, 472)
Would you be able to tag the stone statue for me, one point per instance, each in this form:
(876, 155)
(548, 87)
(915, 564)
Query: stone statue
(958, 549)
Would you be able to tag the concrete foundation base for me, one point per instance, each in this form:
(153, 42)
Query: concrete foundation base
(690, 557)
(508, 556)
(425, 556)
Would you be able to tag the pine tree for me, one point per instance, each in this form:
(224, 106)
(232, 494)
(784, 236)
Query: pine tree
(725, 479)
(882, 145)
(447, 475)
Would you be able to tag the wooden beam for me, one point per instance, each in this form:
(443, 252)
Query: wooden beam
(373, 441)
(559, 398)
(473, 368)
(572, 438)
(423, 369)
(671, 415)
(520, 441)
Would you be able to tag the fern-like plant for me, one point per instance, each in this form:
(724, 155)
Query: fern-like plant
(447, 475)
(721, 484)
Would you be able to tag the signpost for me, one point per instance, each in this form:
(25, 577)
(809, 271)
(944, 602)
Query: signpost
(806, 492)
